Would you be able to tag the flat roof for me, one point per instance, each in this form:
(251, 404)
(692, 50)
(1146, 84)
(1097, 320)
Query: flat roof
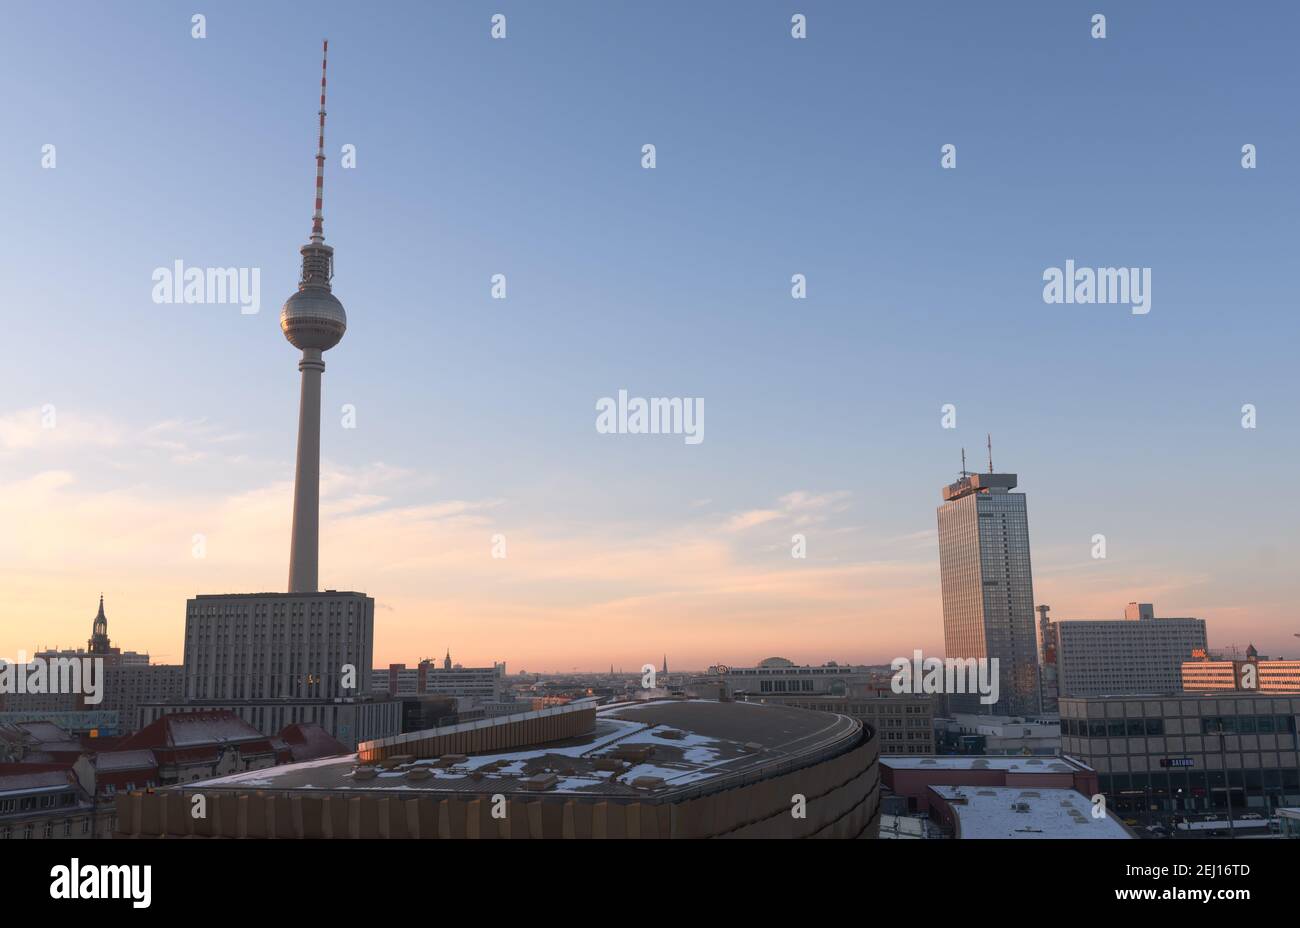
(1008, 812)
(318, 594)
(696, 743)
(1013, 764)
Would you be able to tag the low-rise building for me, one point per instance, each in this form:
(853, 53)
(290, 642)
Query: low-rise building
(123, 771)
(37, 742)
(49, 801)
(310, 742)
(94, 723)
(778, 676)
(913, 777)
(349, 720)
(198, 745)
(904, 723)
(1253, 675)
(479, 684)
(1014, 813)
(1000, 735)
(1187, 752)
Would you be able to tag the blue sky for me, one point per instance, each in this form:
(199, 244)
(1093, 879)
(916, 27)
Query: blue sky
(775, 157)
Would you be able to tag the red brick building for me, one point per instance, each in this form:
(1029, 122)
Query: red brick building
(912, 777)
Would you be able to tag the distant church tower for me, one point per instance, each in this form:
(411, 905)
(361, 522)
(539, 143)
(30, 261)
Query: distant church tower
(446, 661)
(665, 670)
(99, 643)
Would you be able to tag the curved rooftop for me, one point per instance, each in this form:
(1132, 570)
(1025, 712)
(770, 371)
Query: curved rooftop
(648, 751)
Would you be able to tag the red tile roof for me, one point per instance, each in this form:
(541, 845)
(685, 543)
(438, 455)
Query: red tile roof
(184, 730)
(308, 741)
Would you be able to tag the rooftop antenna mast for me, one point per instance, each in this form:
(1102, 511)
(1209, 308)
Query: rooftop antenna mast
(989, 435)
(317, 219)
(964, 472)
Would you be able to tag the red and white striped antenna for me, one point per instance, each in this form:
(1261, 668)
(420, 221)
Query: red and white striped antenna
(317, 220)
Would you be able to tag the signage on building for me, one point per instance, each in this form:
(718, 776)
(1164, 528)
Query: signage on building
(1177, 762)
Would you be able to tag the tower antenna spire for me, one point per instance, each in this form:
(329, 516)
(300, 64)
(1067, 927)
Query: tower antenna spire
(989, 435)
(963, 462)
(317, 219)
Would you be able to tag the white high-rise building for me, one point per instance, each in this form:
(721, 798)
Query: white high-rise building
(1136, 655)
(988, 590)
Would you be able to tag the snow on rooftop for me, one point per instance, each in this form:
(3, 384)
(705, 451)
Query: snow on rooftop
(1013, 764)
(681, 756)
(1007, 812)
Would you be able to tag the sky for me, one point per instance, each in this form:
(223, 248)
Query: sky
(173, 425)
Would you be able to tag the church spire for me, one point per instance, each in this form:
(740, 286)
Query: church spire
(99, 643)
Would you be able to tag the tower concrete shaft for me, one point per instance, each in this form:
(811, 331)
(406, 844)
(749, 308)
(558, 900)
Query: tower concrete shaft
(304, 546)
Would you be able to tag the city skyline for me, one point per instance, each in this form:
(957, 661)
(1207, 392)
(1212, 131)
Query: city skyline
(151, 463)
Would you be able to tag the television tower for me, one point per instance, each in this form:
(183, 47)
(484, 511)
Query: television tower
(312, 320)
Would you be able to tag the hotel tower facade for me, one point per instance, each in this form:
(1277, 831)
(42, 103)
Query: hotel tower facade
(988, 589)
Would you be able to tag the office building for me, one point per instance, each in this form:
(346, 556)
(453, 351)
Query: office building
(993, 735)
(474, 685)
(1137, 655)
(277, 645)
(1203, 674)
(988, 590)
(1187, 752)
(129, 686)
(778, 675)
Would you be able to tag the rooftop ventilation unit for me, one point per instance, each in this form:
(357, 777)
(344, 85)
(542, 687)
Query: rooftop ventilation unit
(541, 782)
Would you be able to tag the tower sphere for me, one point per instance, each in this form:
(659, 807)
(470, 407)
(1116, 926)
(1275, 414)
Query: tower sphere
(313, 318)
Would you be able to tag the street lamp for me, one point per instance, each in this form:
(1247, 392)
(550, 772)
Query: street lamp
(1227, 782)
